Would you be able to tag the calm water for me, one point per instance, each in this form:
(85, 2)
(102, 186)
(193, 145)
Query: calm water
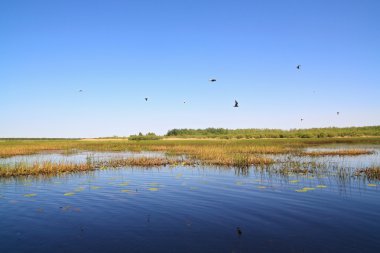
(190, 209)
(77, 157)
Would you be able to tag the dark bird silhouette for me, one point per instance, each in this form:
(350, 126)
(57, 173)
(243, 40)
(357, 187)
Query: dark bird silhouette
(301, 120)
(236, 104)
(337, 113)
(298, 66)
(146, 99)
(238, 231)
(80, 91)
(212, 80)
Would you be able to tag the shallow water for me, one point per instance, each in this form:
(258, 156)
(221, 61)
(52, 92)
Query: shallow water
(189, 209)
(76, 157)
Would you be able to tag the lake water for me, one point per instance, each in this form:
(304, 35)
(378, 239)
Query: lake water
(190, 209)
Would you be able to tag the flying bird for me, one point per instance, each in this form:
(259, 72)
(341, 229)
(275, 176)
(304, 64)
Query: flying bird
(337, 113)
(80, 90)
(298, 66)
(236, 104)
(212, 80)
(146, 99)
(301, 120)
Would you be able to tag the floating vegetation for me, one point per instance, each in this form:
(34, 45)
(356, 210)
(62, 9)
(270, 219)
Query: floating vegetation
(127, 191)
(372, 185)
(305, 189)
(124, 184)
(321, 186)
(30, 195)
(69, 194)
(294, 181)
(153, 189)
(95, 187)
(261, 187)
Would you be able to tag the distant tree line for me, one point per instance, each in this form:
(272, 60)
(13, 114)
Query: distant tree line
(141, 137)
(276, 133)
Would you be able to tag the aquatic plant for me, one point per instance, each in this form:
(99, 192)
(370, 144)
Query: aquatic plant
(370, 172)
(240, 154)
(343, 152)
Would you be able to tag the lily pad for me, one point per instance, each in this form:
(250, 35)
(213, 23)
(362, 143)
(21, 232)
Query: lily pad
(372, 185)
(321, 186)
(153, 189)
(95, 187)
(305, 189)
(30, 195)
(69, 194)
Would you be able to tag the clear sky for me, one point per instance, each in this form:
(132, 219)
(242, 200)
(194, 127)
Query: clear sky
(119, 52)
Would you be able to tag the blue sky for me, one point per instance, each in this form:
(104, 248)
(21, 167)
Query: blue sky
(119, 52)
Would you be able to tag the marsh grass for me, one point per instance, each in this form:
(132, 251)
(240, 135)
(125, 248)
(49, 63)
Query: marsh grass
(344, 152)
(41, 168)
(233, 153)
(51, 168)
(371, 172)
(10, 148)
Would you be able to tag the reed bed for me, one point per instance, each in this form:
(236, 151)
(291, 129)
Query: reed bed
(371, 172)
(10, 148)
(236, 153)
(345, 152)
(54, 168)
(42, 168)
